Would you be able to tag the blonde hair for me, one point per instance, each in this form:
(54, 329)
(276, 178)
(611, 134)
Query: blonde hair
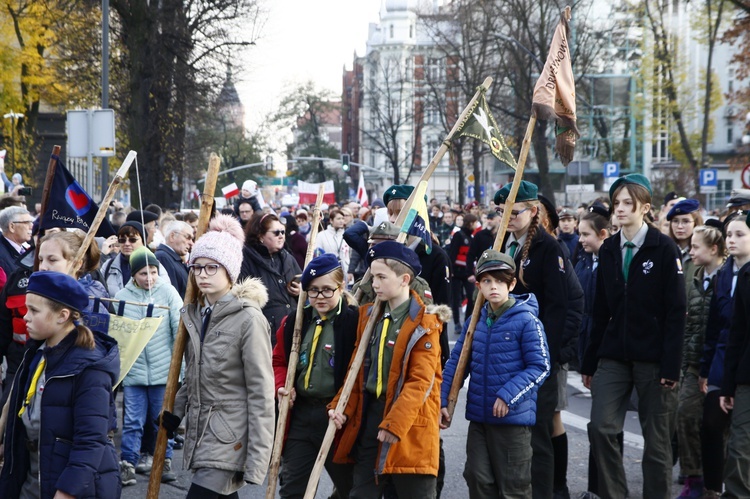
(71, 242)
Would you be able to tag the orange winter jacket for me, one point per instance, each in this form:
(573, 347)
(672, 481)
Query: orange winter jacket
(412, 407)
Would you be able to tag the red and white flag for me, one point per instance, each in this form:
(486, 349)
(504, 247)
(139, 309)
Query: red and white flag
(230, 190)
(308, 192)
(362, 192)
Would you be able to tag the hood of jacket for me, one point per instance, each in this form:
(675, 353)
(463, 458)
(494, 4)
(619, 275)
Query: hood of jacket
(251, 291)
(105, 356)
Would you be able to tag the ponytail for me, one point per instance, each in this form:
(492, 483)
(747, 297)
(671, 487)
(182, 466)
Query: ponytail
(85, 336)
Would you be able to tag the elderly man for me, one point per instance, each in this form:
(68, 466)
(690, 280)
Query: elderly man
(15, 222)
(178, 243)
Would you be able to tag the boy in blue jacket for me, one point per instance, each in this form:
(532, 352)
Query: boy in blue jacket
(509, 360)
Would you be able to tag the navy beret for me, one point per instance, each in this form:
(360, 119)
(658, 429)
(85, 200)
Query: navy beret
(135, 216)
(599, 210)
(394, 250)
(319, 266)
(670, 196)
(549, 207)
(59, 287)
(633, 178)
(526, 192)
(683, 207)
(715, 223)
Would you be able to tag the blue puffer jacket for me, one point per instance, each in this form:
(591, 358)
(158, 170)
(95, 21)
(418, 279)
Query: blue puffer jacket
(510, 361)
(152, 366)
(76, 455)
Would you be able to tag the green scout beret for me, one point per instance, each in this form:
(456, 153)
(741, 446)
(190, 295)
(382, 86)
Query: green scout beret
(494, 260)
(526, 192)
(397, 191)
(633, 178)
(384, 230)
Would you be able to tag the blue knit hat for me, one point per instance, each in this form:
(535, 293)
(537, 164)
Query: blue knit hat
(59, 287)
(683, 207)
(394, 250)
(319, 266)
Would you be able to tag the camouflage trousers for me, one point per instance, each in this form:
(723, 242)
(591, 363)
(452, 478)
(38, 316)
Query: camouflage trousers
(689, 418)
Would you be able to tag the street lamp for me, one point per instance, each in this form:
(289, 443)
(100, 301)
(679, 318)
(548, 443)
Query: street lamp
(13, 117)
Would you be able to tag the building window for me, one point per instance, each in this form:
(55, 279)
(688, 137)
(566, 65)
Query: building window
(411, 31)
(432, 147)
(408, 68)
(435, 69)
(391, 31)
(723, 188)
(730, 134)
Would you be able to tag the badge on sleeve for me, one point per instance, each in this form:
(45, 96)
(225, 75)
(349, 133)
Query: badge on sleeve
(679, 266)
(561, 264)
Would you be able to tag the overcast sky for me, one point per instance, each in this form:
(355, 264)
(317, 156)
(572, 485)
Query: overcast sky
(302, 40)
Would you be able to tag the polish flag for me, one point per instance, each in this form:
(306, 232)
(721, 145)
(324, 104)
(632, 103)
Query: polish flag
(362, 192)
(308, 192)
(231, 190)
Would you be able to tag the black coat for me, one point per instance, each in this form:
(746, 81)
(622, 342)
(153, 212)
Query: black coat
(643, 319)
(545, 272)
(256, 262)
(8, 255)
(458, 252)
(483, 240)
(175, 267)
(344, 338)
(737, 359)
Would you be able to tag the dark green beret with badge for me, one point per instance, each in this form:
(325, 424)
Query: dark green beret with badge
(633, 178)
(397, 191)
(494, 260)
(526, 192)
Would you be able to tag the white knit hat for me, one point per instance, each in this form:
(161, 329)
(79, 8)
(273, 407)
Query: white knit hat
(223, 243)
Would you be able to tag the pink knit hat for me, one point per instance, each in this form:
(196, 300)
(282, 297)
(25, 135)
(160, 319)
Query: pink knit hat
(223, 243)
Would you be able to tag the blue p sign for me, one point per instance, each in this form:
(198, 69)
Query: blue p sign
(709, 177)
(611, 169)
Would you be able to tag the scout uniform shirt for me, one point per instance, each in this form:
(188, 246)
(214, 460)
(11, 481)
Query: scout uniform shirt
(381, 348)
(315, 368)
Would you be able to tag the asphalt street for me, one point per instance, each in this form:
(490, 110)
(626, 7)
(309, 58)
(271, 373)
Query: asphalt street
(575, 418)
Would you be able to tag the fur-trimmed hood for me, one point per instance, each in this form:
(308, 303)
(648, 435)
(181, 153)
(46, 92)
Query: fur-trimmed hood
(251, 290)
(443, 312)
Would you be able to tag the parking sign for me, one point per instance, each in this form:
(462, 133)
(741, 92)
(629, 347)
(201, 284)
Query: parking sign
(611, 169)
(709, 180)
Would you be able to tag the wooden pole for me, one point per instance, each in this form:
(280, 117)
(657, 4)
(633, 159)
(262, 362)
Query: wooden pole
(284, 401)
(463, 360)
(103, 207)
(207, 201)
(46, 191)
(377, 308)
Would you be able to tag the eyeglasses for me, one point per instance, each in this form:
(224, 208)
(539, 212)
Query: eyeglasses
(277, 233)
(23, 222)
(325, 292)
(132, 240)
(513, 214)
(210, 269)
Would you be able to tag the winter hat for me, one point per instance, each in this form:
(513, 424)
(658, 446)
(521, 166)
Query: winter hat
(249, 185)
(58, 287)
(223, 243)
(318, 267)
(140, 258)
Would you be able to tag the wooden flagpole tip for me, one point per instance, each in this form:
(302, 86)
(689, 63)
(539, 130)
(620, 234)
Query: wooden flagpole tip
(567, 13)
(487, 82)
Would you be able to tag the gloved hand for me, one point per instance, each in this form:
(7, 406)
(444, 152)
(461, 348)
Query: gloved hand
(169, 422)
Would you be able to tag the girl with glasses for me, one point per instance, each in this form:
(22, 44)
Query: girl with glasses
(227, 394)
(329, 328)
(265, 256)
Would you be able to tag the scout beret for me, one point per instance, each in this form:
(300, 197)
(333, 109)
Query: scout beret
(395, 251)
(59, 287)
(599, 210)
(397, 191)
(670, 196)
(526, 192)
(715, 223)
(633, 178)
(140, 258)
(384, 230)
(494, 260)
(319, 266)
(683, 208)
(135, 216)
(549, 207)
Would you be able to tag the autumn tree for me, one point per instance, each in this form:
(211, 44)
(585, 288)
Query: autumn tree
(738, 35)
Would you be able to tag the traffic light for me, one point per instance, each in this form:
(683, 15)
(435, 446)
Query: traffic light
(345, 162)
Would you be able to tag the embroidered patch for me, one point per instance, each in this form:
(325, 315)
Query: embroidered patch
(327, 346)
(679, 266)
(312, 271)
(526, 262)
(382, 226)
(648, 265)
(561, 264)
(330, 362)
(23, 282)
(391, 343)
(427, 293)
(372, 253)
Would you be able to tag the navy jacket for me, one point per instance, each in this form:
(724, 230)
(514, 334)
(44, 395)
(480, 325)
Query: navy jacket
(587, 277)
(643, 319)
(719, 322)
(175, 267)
(737, 361)
(509, 360)
(77, 456)
(8, 255)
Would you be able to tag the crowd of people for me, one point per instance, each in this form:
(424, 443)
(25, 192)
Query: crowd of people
(651, 306)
